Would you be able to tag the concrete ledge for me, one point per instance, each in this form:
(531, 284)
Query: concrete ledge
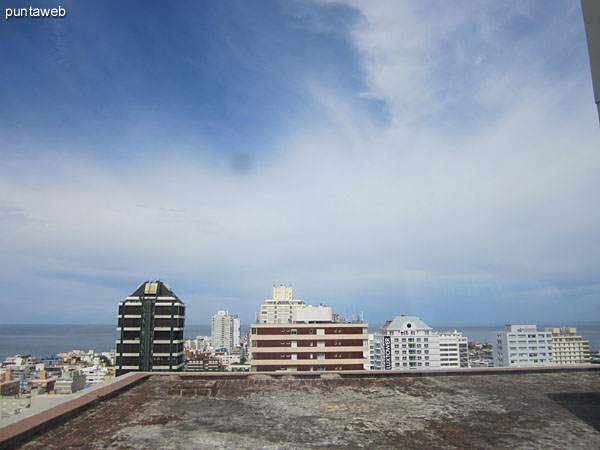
(394, 373)
(16, 433)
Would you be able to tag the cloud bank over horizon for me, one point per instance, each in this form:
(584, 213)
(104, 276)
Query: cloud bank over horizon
(385, 157)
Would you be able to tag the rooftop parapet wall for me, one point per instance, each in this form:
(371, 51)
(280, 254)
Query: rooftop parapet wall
(542, 408)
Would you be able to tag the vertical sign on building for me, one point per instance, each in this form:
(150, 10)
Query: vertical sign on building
(387, 352)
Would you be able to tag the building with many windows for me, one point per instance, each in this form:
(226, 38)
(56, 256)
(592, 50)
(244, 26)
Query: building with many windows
(523, 346)
(408, 343)
(225, 331)
(568, 348)
(312, 342)
(279, 308)
(454, 350)
(151, 322)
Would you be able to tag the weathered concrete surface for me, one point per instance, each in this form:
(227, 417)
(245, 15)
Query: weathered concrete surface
(60, 409)
(521, 410)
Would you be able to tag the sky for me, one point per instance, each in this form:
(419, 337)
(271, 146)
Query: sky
(431, 158)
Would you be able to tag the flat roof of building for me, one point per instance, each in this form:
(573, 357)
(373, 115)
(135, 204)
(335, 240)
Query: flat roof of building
(469, 409)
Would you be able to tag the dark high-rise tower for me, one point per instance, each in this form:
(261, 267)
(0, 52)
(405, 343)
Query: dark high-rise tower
(151, 322)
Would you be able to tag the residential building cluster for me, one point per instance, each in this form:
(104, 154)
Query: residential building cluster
(24, 377)
(525, 346)
(289, 335)
(224, 350)
(481, 354)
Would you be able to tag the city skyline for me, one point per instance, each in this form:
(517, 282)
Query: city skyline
(438, 161)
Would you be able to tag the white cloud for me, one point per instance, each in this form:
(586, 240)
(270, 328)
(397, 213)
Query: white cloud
(414, 210)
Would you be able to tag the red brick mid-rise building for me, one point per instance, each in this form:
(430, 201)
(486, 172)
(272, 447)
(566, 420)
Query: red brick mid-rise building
(320, 345)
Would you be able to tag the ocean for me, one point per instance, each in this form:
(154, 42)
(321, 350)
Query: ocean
(47, 340)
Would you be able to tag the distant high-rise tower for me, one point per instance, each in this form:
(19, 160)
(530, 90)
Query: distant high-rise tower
(151, 322)
(225, 331)
(279, 308)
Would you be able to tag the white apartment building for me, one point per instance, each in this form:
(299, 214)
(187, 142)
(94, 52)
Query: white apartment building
(279, 309)
(522, 346)
(454, 350)
(95, 374)
(405, 342)
(568, 348)
(198, 344)
(228, 360)
(408, 343)
(225, 331)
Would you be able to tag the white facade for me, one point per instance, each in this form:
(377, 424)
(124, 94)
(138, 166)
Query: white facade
(225, 331)
(228, 360)
(95, 374)
(568, 348)
(279, 309)
(405, 343)
(312, 314)
(522, 346)
(408, 343)
(200, 343)
(375, 351)
(454, 350)
(236, 332)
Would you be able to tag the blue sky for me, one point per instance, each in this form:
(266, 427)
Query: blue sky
(429, 158)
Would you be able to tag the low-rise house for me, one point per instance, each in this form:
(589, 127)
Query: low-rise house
(71, 381)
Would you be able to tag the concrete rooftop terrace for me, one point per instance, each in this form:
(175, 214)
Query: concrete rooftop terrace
(468, 409)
